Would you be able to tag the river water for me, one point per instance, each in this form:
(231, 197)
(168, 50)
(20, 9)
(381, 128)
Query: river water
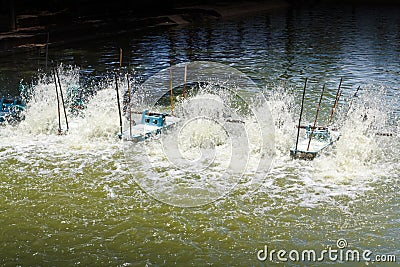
(86, 198)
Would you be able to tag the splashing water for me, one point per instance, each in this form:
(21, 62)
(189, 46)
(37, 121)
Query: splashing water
(90, 167)
(358, 160)
(204, 157)
(358, 156)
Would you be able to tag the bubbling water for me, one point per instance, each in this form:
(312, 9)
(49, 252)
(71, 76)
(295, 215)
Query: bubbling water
(97, 118)
(208, 156)
(212, 146)
(360, 158)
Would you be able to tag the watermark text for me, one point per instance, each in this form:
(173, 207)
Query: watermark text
(340, 253)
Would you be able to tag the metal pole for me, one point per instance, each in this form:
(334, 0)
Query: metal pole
(338, 94)
(62, 99)
(119, 105)
(130, 106)
(351, 102)
(58, 102)
(116, 88)
(120, 58)
(301, 114)
(316, 117)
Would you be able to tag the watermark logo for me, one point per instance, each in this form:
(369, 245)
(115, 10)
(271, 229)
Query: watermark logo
(340, 253)
(225, 134)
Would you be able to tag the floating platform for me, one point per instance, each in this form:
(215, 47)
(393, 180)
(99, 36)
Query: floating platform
(10, 110)
(315, 141)
(151, 125)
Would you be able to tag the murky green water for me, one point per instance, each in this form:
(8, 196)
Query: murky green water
(78, 200)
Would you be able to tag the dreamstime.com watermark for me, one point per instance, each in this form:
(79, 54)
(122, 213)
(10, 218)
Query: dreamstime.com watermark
(340, 253)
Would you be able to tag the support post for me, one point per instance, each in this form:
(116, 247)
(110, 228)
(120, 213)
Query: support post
(301, 114)
(338, 94)
(119, 105)
(58, 102)
(62, 99)
(316, 118)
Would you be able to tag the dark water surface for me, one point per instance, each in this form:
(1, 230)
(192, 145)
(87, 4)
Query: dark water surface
(360, 44)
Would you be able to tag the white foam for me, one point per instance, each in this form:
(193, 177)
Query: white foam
(213, 156)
